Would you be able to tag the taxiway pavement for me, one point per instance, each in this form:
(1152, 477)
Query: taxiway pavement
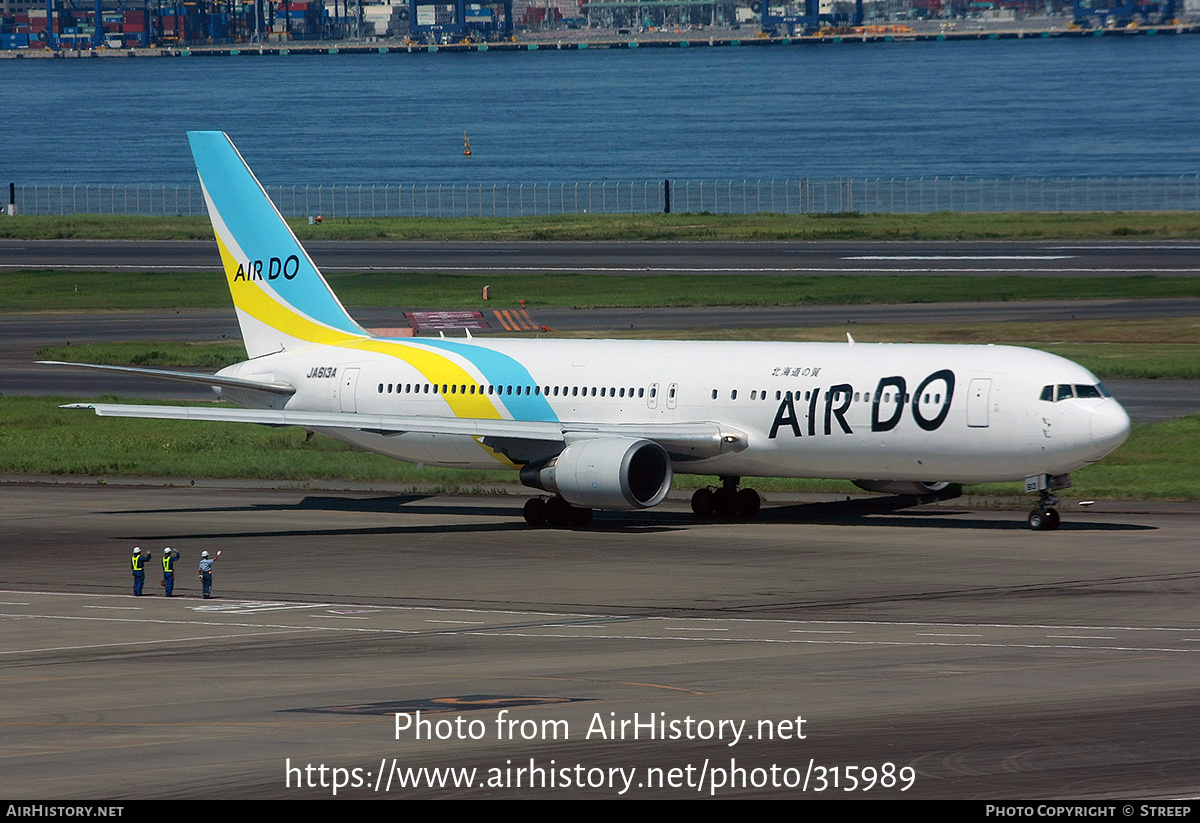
(993, 661)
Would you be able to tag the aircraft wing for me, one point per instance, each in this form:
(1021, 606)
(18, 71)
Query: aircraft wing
(682, 441)
(285, 389)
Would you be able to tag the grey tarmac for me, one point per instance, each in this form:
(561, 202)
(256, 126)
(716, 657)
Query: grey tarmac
(994, 661)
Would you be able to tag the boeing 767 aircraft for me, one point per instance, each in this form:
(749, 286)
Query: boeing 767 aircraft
(605, 424)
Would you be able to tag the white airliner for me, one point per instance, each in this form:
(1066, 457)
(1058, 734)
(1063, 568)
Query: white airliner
(606, 423)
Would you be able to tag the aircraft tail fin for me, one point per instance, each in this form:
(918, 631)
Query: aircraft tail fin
(282, 300)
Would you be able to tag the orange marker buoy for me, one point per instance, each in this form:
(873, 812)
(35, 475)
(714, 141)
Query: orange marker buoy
(318, 218)
(466, 145)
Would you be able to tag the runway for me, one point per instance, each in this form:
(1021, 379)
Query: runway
(1029, 258)
(991, 661)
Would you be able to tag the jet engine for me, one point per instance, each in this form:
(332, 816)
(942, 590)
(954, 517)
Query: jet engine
(605, 473)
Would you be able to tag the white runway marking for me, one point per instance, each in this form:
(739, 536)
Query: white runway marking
(961, 257)
(945, 634)
(228, 622)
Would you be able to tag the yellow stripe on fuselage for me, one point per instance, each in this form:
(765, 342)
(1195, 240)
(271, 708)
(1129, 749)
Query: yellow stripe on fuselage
(498, 456)
(250, 297)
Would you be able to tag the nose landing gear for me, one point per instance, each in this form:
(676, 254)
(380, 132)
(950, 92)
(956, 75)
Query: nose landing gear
(1045, 517)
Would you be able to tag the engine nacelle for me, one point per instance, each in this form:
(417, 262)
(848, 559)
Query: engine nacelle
(942, 490)
(606, 473)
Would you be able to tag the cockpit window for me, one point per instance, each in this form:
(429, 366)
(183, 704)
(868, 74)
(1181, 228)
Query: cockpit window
(1064, 391)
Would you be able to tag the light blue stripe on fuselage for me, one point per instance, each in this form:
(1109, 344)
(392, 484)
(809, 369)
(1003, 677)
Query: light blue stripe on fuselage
(260, 233)
(501, 370)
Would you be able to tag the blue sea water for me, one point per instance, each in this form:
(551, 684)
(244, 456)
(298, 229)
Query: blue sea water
(1037, 107)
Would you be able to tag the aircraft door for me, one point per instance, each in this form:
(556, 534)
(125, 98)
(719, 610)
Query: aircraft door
(652, 396)
(672, 395)
(349, 389)
(977, 402)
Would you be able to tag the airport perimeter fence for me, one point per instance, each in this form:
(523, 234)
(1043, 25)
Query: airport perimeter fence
(906, 195)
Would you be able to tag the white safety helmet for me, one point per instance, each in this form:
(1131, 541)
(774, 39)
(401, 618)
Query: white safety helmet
(137, 549)
(204, 554)
(167, 550)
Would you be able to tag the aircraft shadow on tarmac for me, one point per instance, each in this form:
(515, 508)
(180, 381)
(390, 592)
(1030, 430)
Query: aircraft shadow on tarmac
(899, 511)
(895, 510)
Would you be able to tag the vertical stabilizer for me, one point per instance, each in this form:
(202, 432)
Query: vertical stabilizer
(282, 300)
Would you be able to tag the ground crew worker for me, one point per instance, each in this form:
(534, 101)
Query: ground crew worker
(138, 563)
(169, 558)
(206, 564)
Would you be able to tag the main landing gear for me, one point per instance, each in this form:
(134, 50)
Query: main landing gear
(1045, 517)
(555, 513)
(727, 502)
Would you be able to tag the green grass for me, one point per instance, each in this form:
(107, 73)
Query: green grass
(1174, 361)
(851, 226)
(23, 292)
(58, 291)
(104, 227)
(1161, 461)
(166, 354)
(37, 437)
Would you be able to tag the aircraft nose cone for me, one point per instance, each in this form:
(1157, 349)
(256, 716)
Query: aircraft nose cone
(1110, 425)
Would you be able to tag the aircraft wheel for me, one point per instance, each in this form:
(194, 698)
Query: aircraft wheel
(1044, 520)
(702, 503)
(535, 511)
(725, 502)
(748, 503)
(558, 513)
(580, 516)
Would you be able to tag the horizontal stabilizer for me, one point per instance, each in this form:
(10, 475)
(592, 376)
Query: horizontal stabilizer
(285, 389)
